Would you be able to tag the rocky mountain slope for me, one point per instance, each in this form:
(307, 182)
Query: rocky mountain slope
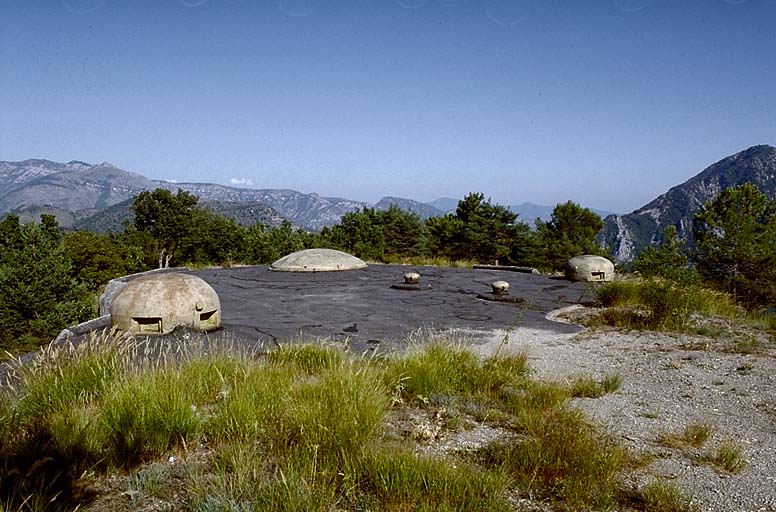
(84, 188)
(72, 186)
(423, 210)
(627, 235)
(310, 211)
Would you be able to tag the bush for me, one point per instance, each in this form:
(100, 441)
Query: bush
(660, 304)
(671, 260)
(659, 496)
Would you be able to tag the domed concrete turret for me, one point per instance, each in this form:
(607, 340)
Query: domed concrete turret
(589, 268)
(318, 260)
(157, 303)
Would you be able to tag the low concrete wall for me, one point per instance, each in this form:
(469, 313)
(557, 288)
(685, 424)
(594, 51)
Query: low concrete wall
(102, 322)
(511, 268)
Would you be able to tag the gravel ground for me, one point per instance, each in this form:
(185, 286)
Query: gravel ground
(669, 382)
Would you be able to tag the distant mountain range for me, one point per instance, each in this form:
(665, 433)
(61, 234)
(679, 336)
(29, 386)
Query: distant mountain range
(77, 193)
(627, 235)
(111, 218)
(71, 187)
(97, 197)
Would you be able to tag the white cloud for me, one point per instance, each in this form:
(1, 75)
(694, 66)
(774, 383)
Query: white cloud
(246, 182)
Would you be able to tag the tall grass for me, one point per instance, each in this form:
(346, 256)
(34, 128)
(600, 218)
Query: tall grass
(146, 416)
(306, 427)
(245, 478)
(727, 456)
(397, 479)
(438, 371)
(585, 386)
(693, 435)
(429, 261)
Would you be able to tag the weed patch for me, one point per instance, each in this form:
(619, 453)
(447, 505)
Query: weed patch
(584, 386)
(728, 456)
(561, 457)
(693, 435)
(661, 496)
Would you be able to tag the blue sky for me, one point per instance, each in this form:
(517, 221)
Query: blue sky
(605, 102)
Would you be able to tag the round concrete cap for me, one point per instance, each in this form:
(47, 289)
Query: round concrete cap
(158, 303)
(500, 287)
(589, 267)
(317, 260)
(411, 278)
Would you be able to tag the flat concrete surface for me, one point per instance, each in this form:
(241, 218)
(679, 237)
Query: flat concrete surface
(261, 305)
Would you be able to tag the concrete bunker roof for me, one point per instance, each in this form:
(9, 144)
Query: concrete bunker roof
(367, 312)
(318, 260)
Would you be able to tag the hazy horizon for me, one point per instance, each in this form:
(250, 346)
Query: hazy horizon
(608, 104)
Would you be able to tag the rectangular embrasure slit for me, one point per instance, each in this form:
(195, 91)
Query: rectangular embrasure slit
(151, 324)
(598, 276)
(208, 319)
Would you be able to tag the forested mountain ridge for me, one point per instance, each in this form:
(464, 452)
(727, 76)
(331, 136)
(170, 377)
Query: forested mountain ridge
(626, 235)
(84, 188)
(422, 210)
(112, 218)
(310, 211)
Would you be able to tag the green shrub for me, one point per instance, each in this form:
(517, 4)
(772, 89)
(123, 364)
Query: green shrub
(246, 478)
(207, 378)
(660, 304)
(441, 370)
(619, 293)
(253, 406)
(150, 481)
(50, 387)
(301, 429)
(694, 435)
(500, 375)
(339, 413)
(434, 370)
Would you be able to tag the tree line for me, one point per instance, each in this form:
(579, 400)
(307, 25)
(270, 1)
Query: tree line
(49, 279)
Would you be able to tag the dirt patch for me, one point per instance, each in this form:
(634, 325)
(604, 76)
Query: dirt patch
(670, 382)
